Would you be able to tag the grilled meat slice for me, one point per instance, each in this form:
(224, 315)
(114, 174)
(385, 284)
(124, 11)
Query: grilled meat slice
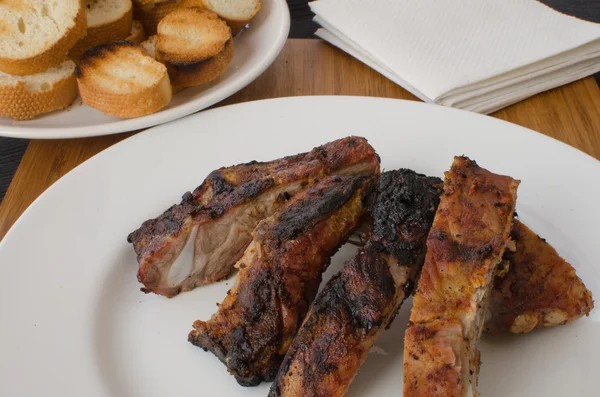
(199, 240)
(358, 303)
(279, 276)
(466, 243)
(540, 289)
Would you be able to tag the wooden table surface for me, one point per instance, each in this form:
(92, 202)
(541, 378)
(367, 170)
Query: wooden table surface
(311, 67)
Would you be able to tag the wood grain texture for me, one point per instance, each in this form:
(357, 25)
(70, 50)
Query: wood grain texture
(311, 67)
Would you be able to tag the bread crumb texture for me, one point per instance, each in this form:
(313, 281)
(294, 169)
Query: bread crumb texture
(190, 35)
(30, 27)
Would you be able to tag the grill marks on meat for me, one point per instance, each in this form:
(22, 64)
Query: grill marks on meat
(212, 225)
(359, 302)
(470, 233)
(279, 276)
(348, 315)
(540, 289)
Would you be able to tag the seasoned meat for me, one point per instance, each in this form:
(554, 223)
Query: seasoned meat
(279, 276)
(536, 288)
(466, 243)
(540, 289)
(199, 240)
(358, 303)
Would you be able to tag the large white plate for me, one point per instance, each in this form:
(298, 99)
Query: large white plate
(74, 322)
(255, 49)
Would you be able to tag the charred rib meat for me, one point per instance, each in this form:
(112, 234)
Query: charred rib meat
(470, 233)
(540, 289)
(279, 276)
(199, 240)
(358, 303)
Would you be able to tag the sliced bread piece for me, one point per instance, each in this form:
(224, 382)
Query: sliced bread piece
(108, 20)
(121, 79)
(24, 97)
(136, 34)
(195, 45)
(151, 14)
(36, 35)
(150, 46)
(237, 13)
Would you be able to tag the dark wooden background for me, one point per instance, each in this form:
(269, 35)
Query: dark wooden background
(11, 150)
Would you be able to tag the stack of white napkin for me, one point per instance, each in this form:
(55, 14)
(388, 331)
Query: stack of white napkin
(478, 55)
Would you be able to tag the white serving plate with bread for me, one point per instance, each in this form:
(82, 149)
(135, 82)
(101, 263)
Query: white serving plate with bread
(255, 48)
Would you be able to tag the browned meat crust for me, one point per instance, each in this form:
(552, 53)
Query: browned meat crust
(403, 212)
(540, 288)
(360, 301)
(245, 193)
(279, 276)
(470, 233)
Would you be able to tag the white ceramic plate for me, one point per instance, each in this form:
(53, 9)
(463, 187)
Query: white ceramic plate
(255, 49)
(74, 322)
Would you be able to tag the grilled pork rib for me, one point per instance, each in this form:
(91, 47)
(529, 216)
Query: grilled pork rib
(279, 276)
(466, 243)
(199, 240)
(358, 303)
(540, 289)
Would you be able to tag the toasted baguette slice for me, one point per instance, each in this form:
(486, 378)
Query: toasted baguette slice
(108, 20)
(150, 46)
(121, 79)
(237, 13)
(195, 45)
(151, 14)
(36, 35)
(24, 97)
(202, 72)
(137, 34)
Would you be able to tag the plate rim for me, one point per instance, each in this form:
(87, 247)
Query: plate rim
(158, 118)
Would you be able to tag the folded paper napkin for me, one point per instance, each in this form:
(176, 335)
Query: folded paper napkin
(478, 55)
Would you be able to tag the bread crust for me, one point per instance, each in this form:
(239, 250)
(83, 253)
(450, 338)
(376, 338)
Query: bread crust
(53, 56)
(138, 103)
(151, 15)
(150, 12)
(136, 36)
(112, 31)
(236, 25)
(198, 73)
(18, 102)
(197, 65)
